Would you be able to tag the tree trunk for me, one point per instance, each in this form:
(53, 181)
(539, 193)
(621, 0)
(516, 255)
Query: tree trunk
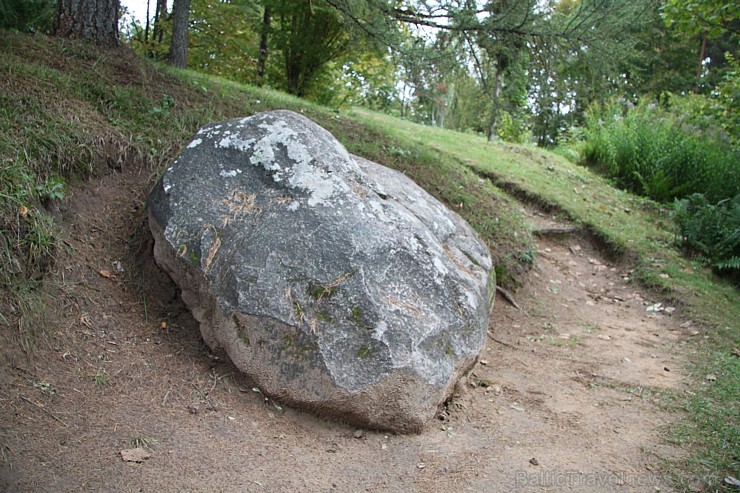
(497, 83)
(702, 55)
(179, 45)
(262, 57)
(159, 15)
(93, 20)
(146, 30)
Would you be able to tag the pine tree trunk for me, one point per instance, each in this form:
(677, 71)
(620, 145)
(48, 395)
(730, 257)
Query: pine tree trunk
(179, 46)
(702, 55)
(262, 57)
(159, 16)
(93, 20)
(498, 82)
(146, 30)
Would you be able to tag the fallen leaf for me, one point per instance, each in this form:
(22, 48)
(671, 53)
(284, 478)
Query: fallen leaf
(484, 362)
(23, 210)
(135, 454)
(711, 377)
(735, 351)
(105, 273)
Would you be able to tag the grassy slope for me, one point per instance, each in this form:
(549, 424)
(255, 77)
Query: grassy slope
(69, 110)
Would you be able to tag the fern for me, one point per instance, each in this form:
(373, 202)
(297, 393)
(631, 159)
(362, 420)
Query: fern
(731, 264)
(711, 231)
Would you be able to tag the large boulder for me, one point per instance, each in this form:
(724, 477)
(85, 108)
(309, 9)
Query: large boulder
(336, 284)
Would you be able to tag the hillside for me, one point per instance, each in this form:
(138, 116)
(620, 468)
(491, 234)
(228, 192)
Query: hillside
(99, 355)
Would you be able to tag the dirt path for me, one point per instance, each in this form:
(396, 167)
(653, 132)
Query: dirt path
(567, 396)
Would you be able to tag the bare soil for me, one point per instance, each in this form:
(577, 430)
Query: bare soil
(570, 394)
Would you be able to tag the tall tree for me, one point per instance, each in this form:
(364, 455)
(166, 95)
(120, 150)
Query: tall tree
(707, 23)
(160, 14)
(264, 40)
(309, 34)
(94, 20)
(224, 37)
(179, 45)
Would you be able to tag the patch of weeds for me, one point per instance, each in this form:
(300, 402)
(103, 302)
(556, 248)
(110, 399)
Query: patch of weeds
(193, 257)
(324, 316)
(101, 377)
(242, 335)
(288, 342)
(300, 313)
(45, 387)
(364, 352)
(143, 441)
(51, 189)
(267, 400)
(526, 256)
(165, 105)
(549, 328)
(591, 328)
(355, 317)
(571, 341)
(319, 291)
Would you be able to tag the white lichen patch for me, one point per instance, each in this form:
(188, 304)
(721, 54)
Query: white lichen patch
(195, 143)
(230, 174)
(229, 141)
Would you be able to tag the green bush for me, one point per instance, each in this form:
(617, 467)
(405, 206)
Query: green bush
(663, 151)
(711, 232)
(27, 15)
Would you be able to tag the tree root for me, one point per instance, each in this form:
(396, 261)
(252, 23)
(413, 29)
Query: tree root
(508, 297)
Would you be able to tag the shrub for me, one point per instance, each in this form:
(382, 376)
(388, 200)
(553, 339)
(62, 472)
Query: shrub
(711, 232)
(664, 151)
(27, 15)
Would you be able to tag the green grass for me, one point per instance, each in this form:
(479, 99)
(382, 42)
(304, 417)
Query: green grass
(69, 111)
(713, 433)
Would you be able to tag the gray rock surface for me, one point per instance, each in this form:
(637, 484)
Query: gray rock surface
(338, 285)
